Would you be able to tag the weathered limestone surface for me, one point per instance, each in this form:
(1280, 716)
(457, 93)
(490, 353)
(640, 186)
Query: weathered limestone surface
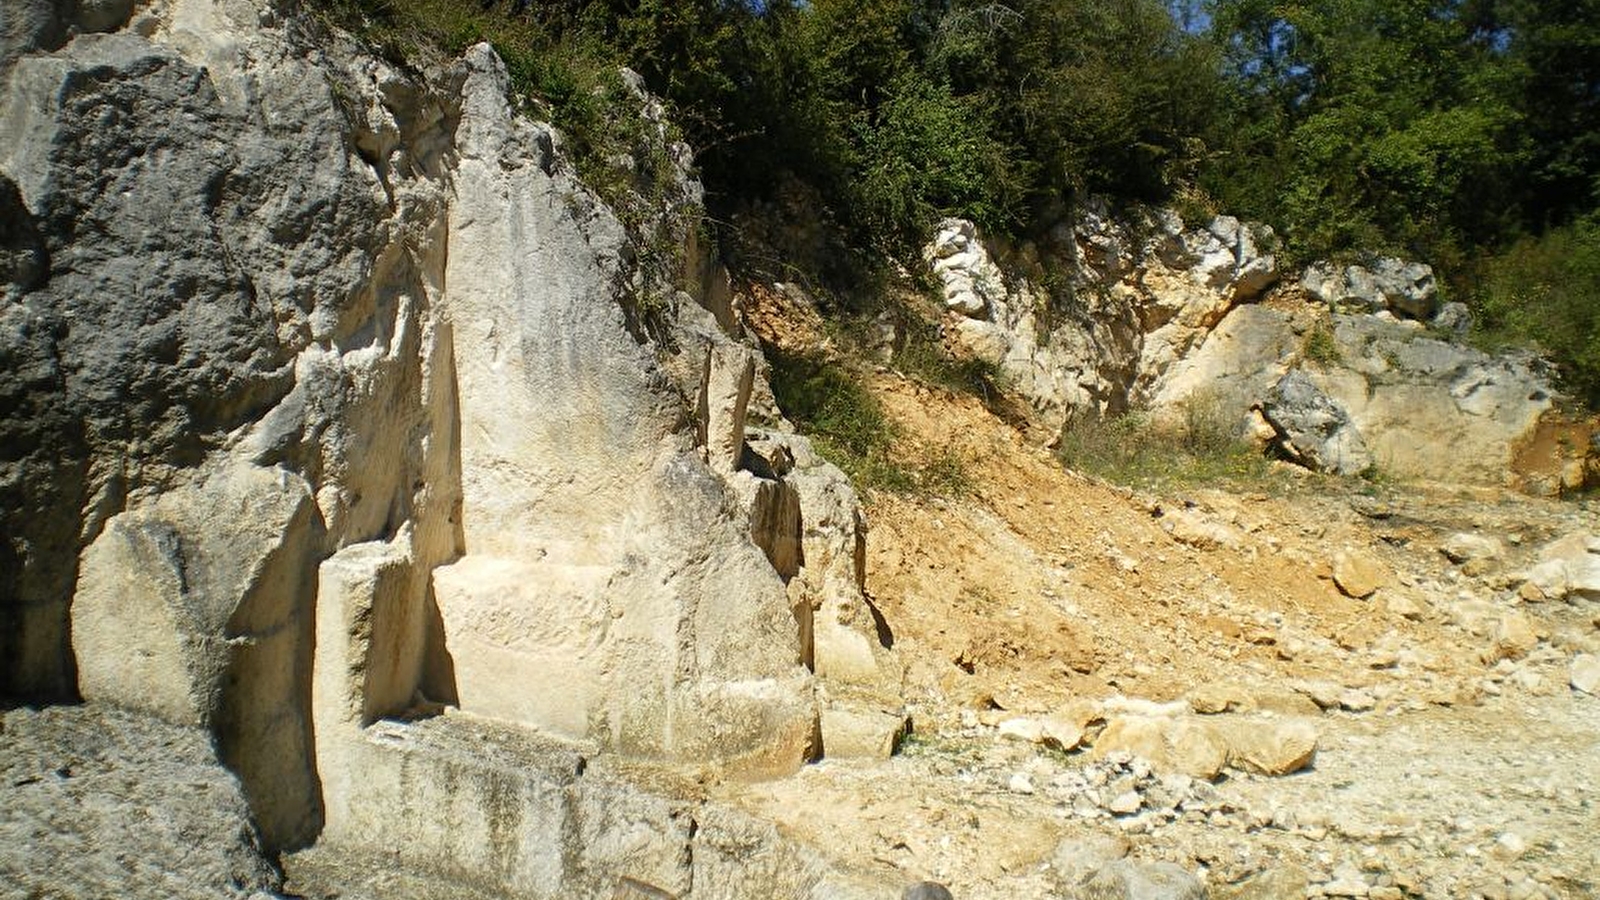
(328, 402)
(198, 607)
(1146, 293)
(99, 802)
(600, 536)
(541, 818)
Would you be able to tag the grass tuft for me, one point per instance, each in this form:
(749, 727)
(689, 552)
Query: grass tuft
(1203, 446)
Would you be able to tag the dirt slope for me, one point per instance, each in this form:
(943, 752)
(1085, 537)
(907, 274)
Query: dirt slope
(1454, 760)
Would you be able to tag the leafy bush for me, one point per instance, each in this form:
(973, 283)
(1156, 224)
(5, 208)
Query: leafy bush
(828, 401)
(1547, 290)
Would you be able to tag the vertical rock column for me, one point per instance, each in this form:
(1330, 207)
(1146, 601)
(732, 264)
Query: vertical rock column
(198, 607)
(608, 590)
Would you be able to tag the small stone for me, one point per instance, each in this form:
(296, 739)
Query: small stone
(1269, 746)
(1198, 531)
(1126, 803)
(1061, 732)
(1509, 846)
(1325, 694)
(1464, 547)
(1126, 879)
(1359, 574)
(1215, 697)
(1514, 635)
(1021, 784)
(1356, 700)
(1585, 674)
(1524, 889)
(1076, 859)
(926, 890)
(1346, 882)
(1406, 606)
(1545, 581)
(854, 733)
(1028, 731)
(1274, 883)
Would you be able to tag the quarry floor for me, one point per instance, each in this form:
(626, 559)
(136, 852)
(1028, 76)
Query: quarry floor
(1449, 765)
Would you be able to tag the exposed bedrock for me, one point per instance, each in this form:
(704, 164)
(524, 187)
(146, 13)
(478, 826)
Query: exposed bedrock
(323, 407)
(1352, 369)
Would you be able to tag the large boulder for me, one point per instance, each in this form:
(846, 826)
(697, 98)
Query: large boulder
(1409, 393)
(1313, 428)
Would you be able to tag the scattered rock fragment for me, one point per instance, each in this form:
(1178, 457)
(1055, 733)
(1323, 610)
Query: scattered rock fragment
(1475, 553)
(1199, 531)
(1406, 605)
(1168, 744)
(1268, 746)
(1509, 846)
(869, 734)
(1325, 694)
(1356, 700)
(1077, 859)
(1219, 697)
(1567, 567)
(1126, 879)
(1585, 675)
(1126, 803)
(1346, 882)
(1061, 732)
(1029, 731)
(1275, 883)
(1514, 635)
(1359, 574)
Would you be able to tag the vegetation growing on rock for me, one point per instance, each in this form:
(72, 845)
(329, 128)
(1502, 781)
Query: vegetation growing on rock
(1458, 132)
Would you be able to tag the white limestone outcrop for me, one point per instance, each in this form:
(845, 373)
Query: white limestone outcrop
(1166, 321)
(359, 407)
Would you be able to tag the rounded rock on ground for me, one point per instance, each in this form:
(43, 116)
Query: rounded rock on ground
(1275, 883)
(1359, 574)
(1078, 858)
(926, 890)
(1127, 879)
(1168, 744)
(1269, 746)
(1585, 673)
(1515, 633)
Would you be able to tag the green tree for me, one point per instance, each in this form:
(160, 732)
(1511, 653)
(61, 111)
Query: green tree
(1368, 124)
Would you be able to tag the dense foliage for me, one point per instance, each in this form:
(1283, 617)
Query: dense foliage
(1462, 132)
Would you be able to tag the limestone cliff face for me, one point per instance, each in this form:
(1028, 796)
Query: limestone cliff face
(1146, 291)
(318, 406)
(1351, 369)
